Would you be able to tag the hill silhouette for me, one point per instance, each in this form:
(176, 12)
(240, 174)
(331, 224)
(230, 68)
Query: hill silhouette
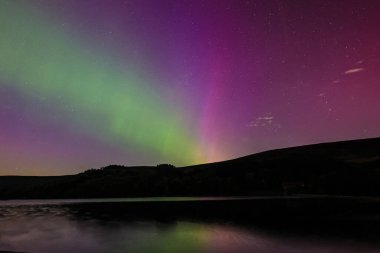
(339, 168)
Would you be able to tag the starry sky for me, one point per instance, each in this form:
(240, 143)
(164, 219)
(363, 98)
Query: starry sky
(89, 83)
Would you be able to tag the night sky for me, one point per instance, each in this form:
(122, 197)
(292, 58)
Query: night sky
(89, 83)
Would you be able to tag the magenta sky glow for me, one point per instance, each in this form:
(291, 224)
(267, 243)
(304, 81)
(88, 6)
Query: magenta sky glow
(89, 83)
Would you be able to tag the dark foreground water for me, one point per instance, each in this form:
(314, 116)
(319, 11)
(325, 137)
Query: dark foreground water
(238, 225)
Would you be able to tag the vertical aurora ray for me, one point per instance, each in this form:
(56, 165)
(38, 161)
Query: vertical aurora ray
(209, 139)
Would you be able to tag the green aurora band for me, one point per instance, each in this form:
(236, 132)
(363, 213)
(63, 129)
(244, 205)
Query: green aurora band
(119, 106)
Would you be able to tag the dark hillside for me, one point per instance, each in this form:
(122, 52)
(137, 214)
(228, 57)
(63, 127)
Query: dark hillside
(341, 168)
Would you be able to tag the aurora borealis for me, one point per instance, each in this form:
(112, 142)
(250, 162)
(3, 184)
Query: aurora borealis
(89, 83)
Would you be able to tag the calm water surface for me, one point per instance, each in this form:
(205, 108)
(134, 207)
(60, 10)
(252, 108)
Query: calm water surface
(83, 226)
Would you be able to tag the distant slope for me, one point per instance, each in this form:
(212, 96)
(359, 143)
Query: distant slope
(343, 168)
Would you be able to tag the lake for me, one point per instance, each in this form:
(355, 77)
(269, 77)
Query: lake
(202, 225)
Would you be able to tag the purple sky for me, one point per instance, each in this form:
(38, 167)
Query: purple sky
(89, 83)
